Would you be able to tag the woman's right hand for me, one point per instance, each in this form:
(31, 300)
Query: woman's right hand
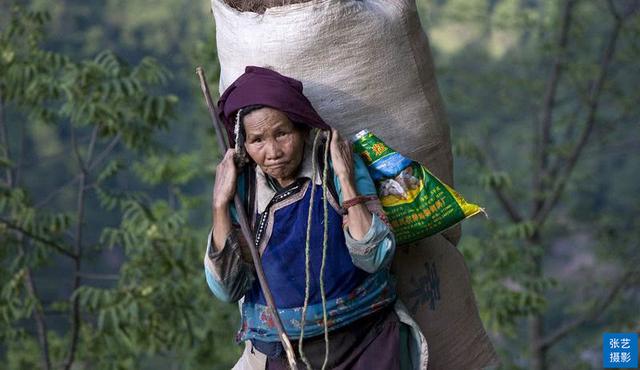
(224, 188)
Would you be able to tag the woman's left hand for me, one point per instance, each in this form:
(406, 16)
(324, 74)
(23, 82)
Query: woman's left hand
(359, 218)
(341, 156)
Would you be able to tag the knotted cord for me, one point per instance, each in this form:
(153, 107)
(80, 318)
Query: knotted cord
(325, 238)
(324, 252)
(306, 253)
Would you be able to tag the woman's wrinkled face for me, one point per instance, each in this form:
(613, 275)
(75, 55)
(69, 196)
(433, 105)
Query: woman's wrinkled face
(274, 143)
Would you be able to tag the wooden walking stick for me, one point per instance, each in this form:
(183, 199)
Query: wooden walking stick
(244, 224)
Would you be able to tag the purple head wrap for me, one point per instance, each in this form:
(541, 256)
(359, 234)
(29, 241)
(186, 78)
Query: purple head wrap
(266, 87)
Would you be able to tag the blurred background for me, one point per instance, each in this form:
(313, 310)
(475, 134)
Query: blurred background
(107, 158)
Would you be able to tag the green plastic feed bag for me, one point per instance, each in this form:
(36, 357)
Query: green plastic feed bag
(416, 202)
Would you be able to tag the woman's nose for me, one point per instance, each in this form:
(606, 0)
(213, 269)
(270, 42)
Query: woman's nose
(273, 150)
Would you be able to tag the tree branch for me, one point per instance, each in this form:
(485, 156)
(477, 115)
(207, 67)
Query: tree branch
(598, 307)
(38, 315)
(594, 99)
(100, 157)
(52, 194)
(21, 159)
(544, 126)
(88, 275)
(38, 238)
(612, 9)
(92, 143)
(567, 135)
(12, 181)
(507, 203)
(76, 151)
(75, 303)
(4, 142)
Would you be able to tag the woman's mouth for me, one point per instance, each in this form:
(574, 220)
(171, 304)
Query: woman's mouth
(277, 165)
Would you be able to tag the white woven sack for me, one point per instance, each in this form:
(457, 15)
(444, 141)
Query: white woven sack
(367, 64)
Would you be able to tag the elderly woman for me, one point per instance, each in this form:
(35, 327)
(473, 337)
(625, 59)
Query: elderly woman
(323, 238)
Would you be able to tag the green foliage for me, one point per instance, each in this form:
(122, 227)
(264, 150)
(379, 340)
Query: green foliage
(169, 169)
(505, 284)
(495, 61)
(107, 117)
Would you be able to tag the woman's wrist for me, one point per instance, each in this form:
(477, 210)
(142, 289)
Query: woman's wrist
(220, 215)
(360, 199)
(347, 187)
(358, 216)
(221, 226)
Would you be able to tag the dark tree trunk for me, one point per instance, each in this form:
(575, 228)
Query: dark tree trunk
(538, 353)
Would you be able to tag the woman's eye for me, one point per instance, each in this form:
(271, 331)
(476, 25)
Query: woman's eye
(280, 134)
(256, 140)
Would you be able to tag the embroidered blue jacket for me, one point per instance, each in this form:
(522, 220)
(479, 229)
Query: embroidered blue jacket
(356, 278)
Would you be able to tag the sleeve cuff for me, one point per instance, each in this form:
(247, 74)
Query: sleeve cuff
(227, 275)
(230, 243)
(377, 232)
(224, 263)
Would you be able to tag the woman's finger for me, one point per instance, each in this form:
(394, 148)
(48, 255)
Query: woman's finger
(229, 154)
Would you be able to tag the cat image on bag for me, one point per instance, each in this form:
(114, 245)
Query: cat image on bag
(392, 187)
(400, 185)
(406, 179)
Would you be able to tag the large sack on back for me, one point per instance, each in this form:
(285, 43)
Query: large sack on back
(367, 64)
